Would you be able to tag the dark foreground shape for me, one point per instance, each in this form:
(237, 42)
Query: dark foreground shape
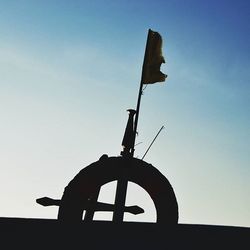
(18, 233)
(82, 192)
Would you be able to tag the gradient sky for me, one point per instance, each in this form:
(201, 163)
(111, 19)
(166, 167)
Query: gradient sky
(70, 69)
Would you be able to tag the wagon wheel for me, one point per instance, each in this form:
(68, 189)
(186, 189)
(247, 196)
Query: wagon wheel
(82, 192)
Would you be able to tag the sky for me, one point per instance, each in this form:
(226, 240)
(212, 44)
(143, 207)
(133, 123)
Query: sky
(69, 70)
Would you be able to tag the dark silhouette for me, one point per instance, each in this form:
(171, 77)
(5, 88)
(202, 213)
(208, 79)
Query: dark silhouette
(20, 233)
(129, 135)
(99, 206)
(82, 192)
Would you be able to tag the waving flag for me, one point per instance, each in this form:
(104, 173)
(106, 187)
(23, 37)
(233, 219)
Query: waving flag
(153, 59)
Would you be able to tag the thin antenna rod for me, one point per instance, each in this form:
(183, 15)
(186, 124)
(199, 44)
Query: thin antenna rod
(153, 141)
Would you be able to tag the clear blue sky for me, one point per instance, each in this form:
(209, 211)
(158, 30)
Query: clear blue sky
(70, 69)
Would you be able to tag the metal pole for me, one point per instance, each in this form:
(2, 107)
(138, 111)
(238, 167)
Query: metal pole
(120, 199)
(122, 182)
(140, 94)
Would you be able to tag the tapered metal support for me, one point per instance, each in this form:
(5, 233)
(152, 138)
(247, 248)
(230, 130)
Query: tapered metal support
(120, 199)
(129, 135)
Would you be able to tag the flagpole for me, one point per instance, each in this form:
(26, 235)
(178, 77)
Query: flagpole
(140, 93)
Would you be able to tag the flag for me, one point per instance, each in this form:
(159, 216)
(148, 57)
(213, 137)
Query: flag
(153, 59)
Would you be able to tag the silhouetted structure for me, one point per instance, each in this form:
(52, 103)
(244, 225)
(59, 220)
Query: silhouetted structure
(68, 231)
(83, 191)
